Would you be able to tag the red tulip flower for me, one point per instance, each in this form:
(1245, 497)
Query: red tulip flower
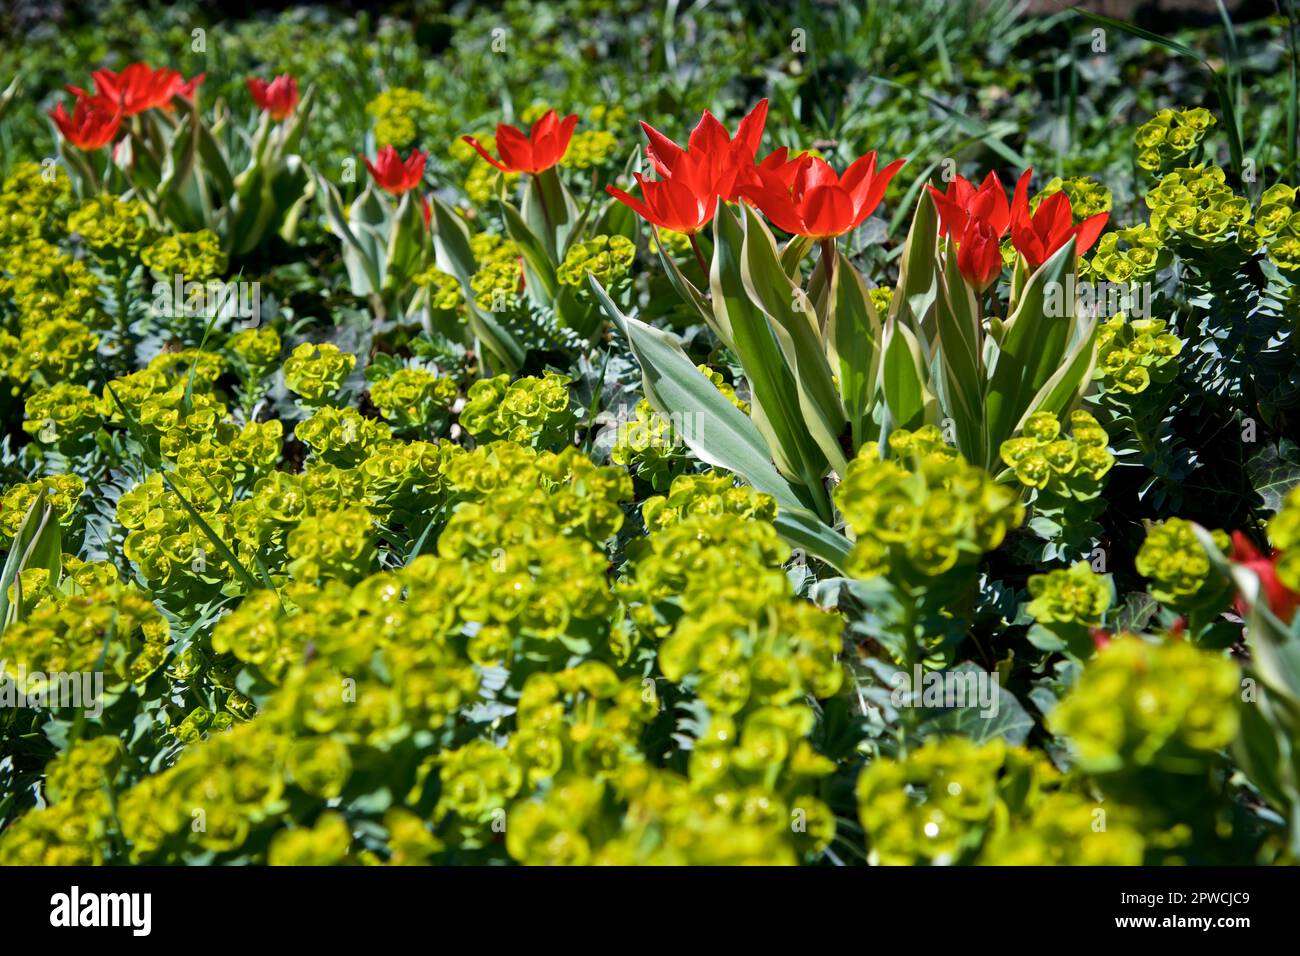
(278, 97)
(979, 254)
(543, 147)
(137, 88)
(394, 174)
(1038, 236)
(975, 220)
(1282, 601)
(963, 202)
(89, 127)
(727, 160)
(819, 203)
(683, 202)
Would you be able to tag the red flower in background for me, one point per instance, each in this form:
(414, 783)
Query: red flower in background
(278, 97)
(544, 146)
(819, 203)
(89, 127)
(975, 220)
(137, 88)
(1039, 235)
(1282, 601)
(394, 174)
(683, 202)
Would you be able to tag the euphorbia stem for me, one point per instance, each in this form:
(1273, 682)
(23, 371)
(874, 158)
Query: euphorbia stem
(828, 258)
(699, 257)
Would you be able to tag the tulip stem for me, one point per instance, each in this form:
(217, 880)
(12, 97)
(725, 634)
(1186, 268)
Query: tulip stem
(828, 258)
(699, 257)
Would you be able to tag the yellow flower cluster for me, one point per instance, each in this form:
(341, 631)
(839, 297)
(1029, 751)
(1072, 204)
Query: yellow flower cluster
(1284, 535)
(498, 282)
(61, 494)
(62, 415)
(1194, 205)
(400, 116)
(531, 411)
(1087, 196)
(317, 372)
(648, 446)
(1076, 595)
(955, 801)
(111, 226)
(1144, 255)
(35, 198)
(1170, 135)
(1175, 562)
(920, 521)
(115, 623)
(414, 398)
(1064, 467)
(1277, 222)
(608, 258)
(443, 289)
(1133, 354)
(194, 255)
(1140, 704)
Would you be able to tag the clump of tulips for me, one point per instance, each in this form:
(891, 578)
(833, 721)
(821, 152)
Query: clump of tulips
(829, 374)
(160, 145)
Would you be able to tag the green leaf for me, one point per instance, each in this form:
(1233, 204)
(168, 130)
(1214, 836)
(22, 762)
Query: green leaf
(853, 342)
(406, 242)
(794, 322)
(451, 244)
(38, 543)
(1004, 716)
(157, 464)
(690, 292)
(1033, 348)
(1274, 470)
(549, 211)
(364, 273)
(915, 293)
(717, 432)
(961, 371)
(540, 279)
(775, 393)
(907, 393)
